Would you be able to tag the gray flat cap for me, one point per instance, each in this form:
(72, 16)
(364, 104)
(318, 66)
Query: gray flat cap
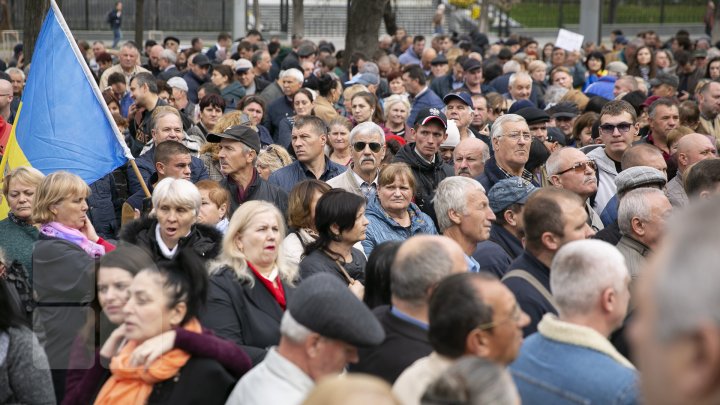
(639, 176)
(323, 304)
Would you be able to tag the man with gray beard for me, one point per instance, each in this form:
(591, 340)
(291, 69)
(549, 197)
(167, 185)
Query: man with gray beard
(367, 142)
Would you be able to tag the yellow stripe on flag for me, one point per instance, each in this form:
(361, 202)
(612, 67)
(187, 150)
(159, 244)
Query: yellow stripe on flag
(13, 158)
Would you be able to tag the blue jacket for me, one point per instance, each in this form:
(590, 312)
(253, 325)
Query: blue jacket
(610, 213)
(497, 253)
(603, 87)
(146, 165)
(409, 57)
(382, 228)
(579, 374)
(103, 204)
(426, 99)
(277, 111)
(287, 177)
(531, 301)
(194, 82)
(443, 85)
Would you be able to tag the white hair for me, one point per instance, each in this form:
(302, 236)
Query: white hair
(497, 128)
(16, 71)
(368, 127)
(168, 55)
(452, 194)
(519, 75)
(294, 73)
(177, 192)
(552, 165)
(511, 66)
(292, 329)
(391, 101)
(634, 204)
(581, 270)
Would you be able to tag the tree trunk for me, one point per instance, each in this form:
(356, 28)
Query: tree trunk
(139, 23)
(256, 13)
(298, 18)
(7, 23)
(34, 15)
(363, 27)
(484, 23)
(716, 24)
(390, 19)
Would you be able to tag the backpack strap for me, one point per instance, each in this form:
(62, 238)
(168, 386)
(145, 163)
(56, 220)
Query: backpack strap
(525, 275)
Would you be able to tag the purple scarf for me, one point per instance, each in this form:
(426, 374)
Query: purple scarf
(58, 230)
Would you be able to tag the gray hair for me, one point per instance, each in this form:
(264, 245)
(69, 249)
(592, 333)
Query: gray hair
(292, 329)
(552, 165)
(391, 101)
(294, 73)
(16, 71)
(510, 66)
(452, 194)
(554, 93)
(686, 280)
(497, 128)
(634, 204)
(472, 380)
(178, 192)
(412, 275)
(519, 75)
(581, 270)
(368, 127)
(168, 55)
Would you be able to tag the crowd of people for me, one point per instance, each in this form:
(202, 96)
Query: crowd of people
(445, 221)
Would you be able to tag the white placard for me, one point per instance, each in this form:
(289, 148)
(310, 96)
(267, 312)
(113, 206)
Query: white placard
(569, 41)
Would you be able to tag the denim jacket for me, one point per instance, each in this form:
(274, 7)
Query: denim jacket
(382, 228)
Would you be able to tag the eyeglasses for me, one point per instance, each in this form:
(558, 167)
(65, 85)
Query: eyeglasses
(514, 317)
(374, 146)
(609, 129)
(516, 136)
(579, 167)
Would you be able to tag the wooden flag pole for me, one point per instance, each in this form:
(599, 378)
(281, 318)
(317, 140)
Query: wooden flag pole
(140, 178)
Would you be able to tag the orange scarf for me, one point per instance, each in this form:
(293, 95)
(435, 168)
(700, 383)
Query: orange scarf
(133, 385)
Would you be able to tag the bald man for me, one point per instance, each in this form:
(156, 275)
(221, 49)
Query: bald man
(427, 56)
(691, 149)
(6, 98)
(469, 157)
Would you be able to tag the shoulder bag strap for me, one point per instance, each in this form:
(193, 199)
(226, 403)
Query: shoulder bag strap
(533, 282)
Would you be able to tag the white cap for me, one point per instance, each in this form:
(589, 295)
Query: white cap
(453, 135)
(178, 83)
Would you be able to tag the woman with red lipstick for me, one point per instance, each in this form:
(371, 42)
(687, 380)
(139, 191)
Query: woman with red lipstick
(340, 222)
(250, 286)
(172, 224)
(63, 261)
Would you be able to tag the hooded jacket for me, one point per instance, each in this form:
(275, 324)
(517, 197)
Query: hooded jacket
(606, 178)
(204, 240)
(382, 228)
(427, 176)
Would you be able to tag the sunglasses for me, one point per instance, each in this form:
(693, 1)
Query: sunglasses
(609, 129)
(374, 146)
(579, 167)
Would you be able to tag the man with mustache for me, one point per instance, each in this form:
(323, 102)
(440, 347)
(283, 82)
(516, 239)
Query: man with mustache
(367, 141)
(469, 157)
(463, 214)
(570, 169)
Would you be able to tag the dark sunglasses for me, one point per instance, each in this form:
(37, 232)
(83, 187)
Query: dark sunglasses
(374, 146)
(609, 129)
(579, 167)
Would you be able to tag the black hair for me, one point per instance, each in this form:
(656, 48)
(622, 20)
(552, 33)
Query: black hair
(456, 308)
(147, 78)
(185, 281)
(166, 150)
(539, 154)
(214, 100)
(209, 88)
(702, 176)
(415, 72)
(326, 84)
(336, 207)
(128, 257)
(596, 55)
(635, 99)
(596, 103)
(377, 274)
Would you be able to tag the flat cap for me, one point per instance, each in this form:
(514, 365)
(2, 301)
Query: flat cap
(243, 65)
(201, 60)
(306, 50)
(617, 67)
(178, 83)
(323, 304)
(639, 176)
(506, 192)
(471, 64)
(170, 38)
(519, 105)
(533, 115)
(664, 78)
(365, 79)
(439, 60)
(554, 134)
(239, 133)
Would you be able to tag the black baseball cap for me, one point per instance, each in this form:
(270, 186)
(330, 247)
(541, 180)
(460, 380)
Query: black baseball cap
(239, 133)
(429, 114)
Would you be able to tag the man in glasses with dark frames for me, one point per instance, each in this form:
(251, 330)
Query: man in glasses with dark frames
(367, 141)
(570, 169)
(424, 159)
(618, 128)
(591, 286)
(471, 314)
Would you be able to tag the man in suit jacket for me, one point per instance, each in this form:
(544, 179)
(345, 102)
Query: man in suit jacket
(166, 63)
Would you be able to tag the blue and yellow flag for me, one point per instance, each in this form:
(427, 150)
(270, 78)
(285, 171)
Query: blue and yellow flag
(62, 122)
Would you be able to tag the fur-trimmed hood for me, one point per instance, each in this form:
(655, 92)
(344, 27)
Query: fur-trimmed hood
(204, 240)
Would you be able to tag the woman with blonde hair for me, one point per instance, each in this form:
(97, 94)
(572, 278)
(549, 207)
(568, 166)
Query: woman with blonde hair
(397, 109)
(353, 389)
(63, 261)
(348, 95)
(17, 233)
(339, 141)
(270, 159)
(250, 284)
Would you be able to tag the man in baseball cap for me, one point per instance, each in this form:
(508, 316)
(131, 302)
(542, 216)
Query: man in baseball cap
(321, 330)
(459, 108)
(423, 156)
(239, 147)
(507, 199)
